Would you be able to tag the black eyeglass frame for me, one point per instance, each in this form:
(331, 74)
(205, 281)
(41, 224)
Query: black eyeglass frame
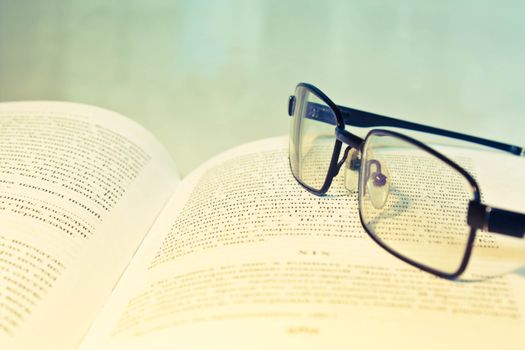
(479, 215)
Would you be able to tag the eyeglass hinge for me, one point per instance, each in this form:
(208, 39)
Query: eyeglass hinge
(478, 215)
(291, 105)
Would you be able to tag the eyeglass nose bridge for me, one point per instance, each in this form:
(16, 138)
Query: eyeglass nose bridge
(351, 158)
(348, 138)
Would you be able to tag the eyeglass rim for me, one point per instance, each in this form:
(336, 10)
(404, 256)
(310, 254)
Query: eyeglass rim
(475, 190)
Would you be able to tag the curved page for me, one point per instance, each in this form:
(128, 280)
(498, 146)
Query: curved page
(79, 189)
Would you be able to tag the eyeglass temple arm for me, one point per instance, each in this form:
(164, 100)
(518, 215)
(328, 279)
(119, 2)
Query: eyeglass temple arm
(359, 118)
(364, 119)
(509, 223)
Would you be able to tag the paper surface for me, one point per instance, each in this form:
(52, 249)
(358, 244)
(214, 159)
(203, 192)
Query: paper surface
(244, 257)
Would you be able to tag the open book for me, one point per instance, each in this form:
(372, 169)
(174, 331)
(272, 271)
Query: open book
(103, 246)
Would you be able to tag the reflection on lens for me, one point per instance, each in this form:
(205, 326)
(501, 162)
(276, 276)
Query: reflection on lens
(413, 202)
(312, 138)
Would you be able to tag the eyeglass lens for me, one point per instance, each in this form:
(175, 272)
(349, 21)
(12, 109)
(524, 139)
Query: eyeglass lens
(312, 138)
(413, 202)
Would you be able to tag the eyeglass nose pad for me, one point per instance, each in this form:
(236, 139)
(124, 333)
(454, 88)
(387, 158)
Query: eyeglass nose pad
(352, 164)
(378, 183)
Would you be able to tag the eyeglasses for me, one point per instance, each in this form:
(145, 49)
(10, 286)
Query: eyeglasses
(413, 201)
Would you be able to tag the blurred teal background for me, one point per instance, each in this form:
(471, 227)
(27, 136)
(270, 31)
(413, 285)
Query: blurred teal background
(206, 75)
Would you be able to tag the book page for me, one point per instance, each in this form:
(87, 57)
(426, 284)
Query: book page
(79, 189)
(247, 258)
